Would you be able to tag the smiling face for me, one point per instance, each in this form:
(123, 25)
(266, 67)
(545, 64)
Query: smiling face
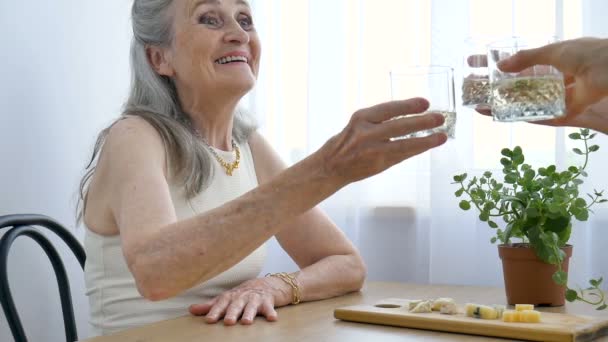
(215, 49)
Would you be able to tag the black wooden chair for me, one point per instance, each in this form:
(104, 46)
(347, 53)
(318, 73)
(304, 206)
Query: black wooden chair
(22, 225)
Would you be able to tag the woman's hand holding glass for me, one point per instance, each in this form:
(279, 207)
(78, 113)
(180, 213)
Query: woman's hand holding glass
(584, 63)
(368, 144)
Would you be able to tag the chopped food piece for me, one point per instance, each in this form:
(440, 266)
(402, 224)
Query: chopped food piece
(439, 302)
(412, 304)
(522, 307)
(500, 309)
(529, 316)
(510, 316)
(449, 308)
(423, 307)
(480, 311)
(523, 316)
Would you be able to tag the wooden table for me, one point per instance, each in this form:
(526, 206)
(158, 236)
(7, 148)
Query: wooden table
(314, 321)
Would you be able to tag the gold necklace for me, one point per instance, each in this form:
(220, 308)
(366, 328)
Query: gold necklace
(228, 167)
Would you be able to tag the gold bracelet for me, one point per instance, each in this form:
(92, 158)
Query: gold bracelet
(291, 280)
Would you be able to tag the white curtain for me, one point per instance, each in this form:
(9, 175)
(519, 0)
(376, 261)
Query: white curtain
(406, 221)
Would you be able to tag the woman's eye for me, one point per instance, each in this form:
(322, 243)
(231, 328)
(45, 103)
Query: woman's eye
(246, 23)
(210, 20)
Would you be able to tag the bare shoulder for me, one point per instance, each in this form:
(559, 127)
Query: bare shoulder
(134, 132)
(266, 160)
(133, 149)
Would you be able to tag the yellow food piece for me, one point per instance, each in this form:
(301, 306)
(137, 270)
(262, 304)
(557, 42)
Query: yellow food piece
(529, 316)
(480, 311)
(510, 316)
(439, 302)
(522, 307)
(523, 316)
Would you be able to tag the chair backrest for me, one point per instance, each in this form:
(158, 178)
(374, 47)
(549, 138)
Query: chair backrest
(22, 225)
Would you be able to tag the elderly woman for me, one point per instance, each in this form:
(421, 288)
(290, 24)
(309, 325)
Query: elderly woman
(183, 193)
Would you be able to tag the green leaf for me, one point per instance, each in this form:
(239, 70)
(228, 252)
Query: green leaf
(551, 169)
(542, 171)
(580, 202)
(592, 135)
(577, 181)
(578, 151)
(484, 217)
(573, 169)
(529, 175)
(523, 196)
(487, 174)
(519, 159)
(532, 212)
(560, 277)
(571, 295)
(584, 174)
(511, 178)
(582, 215)
(493, 240)
(559, 193)
(594, 148)
(512, 226)
(492, 224)
(603, 307)
(506, 152)
(584, 132)
(548, 182)
(489, 206)
(554, 208)
(593, 283)
(575, 136)
(506, 162)
(465, 205)
(459, 193)
(517, 151)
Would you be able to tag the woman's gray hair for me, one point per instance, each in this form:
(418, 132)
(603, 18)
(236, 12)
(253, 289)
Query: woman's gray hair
(154, 98)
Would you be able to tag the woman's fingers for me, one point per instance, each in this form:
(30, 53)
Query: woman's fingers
(218, 310)
(201, 309)
(251, 309)
(234, 311)
(406, 125)
(403, 149)
(546, 55)
(388, 110)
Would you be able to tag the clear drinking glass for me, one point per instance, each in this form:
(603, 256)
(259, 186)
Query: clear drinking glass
(476, 80)
(434, 83)
(536, 93)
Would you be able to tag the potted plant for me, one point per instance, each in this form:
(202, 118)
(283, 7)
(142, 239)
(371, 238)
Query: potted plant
(538, 207)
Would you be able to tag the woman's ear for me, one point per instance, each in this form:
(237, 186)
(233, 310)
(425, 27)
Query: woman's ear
(160, 61)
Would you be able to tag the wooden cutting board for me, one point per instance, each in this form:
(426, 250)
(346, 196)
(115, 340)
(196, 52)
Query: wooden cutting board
(555, 327)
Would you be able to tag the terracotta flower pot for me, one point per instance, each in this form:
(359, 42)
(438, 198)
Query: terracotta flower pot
(528, 280)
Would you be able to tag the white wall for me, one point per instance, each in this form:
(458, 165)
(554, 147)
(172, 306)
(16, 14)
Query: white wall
(64, 76)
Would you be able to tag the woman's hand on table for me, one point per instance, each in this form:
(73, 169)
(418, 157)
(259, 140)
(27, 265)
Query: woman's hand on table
(252, 298)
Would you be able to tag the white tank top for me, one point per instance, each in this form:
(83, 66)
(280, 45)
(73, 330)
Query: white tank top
(116, 304)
